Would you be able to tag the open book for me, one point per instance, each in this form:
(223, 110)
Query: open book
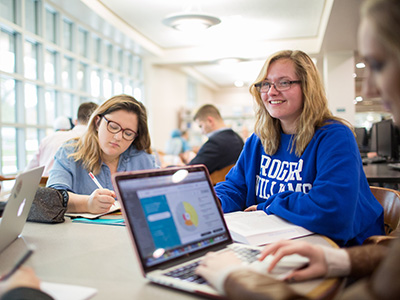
(257, 228)
(114, 208)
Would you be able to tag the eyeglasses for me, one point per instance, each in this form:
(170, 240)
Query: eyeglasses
(114, 127)
(281, 85)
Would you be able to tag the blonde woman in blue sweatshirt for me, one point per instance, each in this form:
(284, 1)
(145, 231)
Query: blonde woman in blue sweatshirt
(302, 163)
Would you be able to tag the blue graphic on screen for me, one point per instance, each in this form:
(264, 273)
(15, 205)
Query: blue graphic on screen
(160, 221)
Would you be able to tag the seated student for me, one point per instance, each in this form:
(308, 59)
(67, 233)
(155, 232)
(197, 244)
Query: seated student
(178, 143)
(117, 139)
(223, 146)
(51, 143)
(302, 163)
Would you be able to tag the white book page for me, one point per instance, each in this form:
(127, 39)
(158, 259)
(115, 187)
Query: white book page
(115, 207)
(258, 228)
(60, 291)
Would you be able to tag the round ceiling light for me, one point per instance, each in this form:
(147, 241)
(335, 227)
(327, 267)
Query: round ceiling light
(190, 22)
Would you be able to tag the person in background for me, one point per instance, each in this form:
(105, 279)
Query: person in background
(51, 143)
(117, 139)
(178, 143)
(302, 163)
(62, 123)
(379, 266)
(223, 146)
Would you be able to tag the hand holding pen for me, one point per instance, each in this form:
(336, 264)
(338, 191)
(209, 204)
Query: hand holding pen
(101, 200)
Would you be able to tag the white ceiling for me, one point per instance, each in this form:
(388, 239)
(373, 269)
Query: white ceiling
(249, 30)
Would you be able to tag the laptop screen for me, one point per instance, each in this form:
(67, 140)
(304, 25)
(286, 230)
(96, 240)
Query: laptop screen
(171, 212)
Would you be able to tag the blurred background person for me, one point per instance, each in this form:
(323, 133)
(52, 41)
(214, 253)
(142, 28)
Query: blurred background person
(51, 143)
(223, 146)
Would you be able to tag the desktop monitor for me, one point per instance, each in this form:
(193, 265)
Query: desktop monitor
(372, 139)
(361, 138)
(386, 140)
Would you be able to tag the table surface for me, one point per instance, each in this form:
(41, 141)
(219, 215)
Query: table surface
(102, 257)
(381, 173)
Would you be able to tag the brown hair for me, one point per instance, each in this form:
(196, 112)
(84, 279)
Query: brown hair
(87, 147)
(207, 110)
(85, 110)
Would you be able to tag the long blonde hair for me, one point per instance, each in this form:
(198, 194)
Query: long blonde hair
(315, 105)
(87, 148)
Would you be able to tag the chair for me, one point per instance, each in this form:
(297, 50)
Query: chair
(43, 181)
(219, 175)
(390, 201)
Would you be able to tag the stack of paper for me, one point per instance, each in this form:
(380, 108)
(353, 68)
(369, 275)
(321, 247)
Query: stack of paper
(257, 228)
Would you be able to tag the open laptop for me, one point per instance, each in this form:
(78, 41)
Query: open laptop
(18, 206)
(174, 218)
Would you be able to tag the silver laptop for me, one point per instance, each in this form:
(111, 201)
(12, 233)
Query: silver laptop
(18, 205)
(174, 219)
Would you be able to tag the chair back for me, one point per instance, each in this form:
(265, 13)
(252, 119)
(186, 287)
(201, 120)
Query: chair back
(390, 201)
(219, 175)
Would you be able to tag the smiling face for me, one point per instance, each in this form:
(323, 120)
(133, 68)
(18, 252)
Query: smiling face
(286, 105)
(382, 72)
(113, 144)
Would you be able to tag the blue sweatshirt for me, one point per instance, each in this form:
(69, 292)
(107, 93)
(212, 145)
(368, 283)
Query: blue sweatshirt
(324, 190)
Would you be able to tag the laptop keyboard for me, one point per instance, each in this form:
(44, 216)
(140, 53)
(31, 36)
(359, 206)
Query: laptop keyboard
(187, 272)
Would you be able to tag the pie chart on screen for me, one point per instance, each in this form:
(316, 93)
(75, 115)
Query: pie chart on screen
(187, 216)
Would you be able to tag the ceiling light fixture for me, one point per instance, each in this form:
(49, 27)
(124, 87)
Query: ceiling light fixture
(190, 22)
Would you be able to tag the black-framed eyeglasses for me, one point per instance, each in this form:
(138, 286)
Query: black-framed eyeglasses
(281, 85)
(114, 127)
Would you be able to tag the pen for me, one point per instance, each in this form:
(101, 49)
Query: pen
(95, 180)
(18, 265)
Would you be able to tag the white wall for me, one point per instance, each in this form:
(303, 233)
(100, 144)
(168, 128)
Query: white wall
(340, 84)
(166, 95)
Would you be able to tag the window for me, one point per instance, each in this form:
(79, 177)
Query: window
(67, 34)
(50, 63)
(82, 42)
(109, 56)
(31, 101)
(9, 150)
(31, 19)
(95, 83)
(50, 66)
(50, 101)
(66, 74)
(51, 25)
(7, 51)
(7, 10)
(107, 85)
(8, 100)
(30, 60)
(81, 77)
